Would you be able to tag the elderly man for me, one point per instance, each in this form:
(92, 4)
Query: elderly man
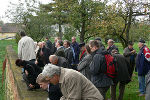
(142, 65)
(42, 56)
(73, 85)
(26, 48)
(59, 61)
(111, 46)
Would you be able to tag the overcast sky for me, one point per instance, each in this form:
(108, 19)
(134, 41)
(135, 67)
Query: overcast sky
(5, 3)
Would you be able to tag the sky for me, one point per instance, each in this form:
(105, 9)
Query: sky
(4, 6)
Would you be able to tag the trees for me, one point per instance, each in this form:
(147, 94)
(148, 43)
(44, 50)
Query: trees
(119, 17)
(33, 21)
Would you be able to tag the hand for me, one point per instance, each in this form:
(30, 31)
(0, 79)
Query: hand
(133, 51)
(26, 72)
(36, 62)
(31, 86)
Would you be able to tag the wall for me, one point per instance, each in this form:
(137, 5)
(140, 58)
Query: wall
(15, 88)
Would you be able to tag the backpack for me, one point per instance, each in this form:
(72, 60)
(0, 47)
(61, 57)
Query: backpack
(111, 66)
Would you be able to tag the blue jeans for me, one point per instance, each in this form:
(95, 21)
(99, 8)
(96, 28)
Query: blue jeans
(142, 86)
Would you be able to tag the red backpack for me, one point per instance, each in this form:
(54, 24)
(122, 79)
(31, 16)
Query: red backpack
(111, 70)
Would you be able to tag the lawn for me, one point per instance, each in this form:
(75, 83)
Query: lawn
(130, 91)
(3, 44)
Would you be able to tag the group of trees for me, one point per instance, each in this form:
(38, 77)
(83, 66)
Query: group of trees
(85, 18)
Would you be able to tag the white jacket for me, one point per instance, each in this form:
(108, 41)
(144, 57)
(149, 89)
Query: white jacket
(26, 49)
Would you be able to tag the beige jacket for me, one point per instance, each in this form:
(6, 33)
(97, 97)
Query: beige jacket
(75, 86)
(26, 49)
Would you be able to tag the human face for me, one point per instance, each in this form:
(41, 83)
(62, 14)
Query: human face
(110, 43)
(65, 45)
(140, 45)
(73, 39)
(44, 85)
(92, 48)
(130, 46)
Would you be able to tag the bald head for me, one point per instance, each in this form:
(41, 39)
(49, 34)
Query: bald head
(53, 59)
(110, 42)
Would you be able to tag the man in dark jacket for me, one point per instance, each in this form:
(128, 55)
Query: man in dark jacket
(111, 46)
(42, 57)
(48, 44)
(31, 71)
(60, 49)
(59, 61)
(68, 52)
(76, 49)
(142, 65)
(130, 54)
(54, 92)
(98, 67)
(123, 76)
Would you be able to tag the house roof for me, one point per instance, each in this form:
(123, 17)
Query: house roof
(9, 28)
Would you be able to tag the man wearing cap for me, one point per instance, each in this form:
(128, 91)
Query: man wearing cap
(142, 65)
(83, 50)
(130, 54)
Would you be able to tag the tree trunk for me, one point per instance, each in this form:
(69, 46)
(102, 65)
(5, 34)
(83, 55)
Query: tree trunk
(82, 34)
(128, 26)
(60, 31)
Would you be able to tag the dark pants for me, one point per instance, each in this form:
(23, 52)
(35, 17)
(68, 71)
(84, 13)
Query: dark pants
(103, 91)
(121, 91)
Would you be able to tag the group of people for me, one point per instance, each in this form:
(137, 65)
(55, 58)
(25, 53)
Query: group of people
(72, 71)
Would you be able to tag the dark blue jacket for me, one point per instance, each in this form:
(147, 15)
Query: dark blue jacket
(142, 65)
(76, 48)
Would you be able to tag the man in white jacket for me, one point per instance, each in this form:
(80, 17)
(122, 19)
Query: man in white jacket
(26, 48)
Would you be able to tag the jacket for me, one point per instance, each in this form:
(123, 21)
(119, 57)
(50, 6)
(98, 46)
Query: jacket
(98, 67)
(76, 48)
(49, 45)
(60, 52)
(69, 55)
(43, 59)
(62, 62)
(143, 61)
(129, 56)
(123, 67)
(26, 48)
(75, 86)
(83, 66)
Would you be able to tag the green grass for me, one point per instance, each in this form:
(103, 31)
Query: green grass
(3, 44)
(130, 91)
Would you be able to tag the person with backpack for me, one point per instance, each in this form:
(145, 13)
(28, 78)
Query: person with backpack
(142, 65)
(98, 67)
(122, 77)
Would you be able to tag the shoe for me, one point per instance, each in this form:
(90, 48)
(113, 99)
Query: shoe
(141, 95)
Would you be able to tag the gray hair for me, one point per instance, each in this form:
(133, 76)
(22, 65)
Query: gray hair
(50, 70)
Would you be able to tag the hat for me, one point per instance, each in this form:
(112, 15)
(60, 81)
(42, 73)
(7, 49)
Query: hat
(142, 41)
(98, 38)
(81, 44)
